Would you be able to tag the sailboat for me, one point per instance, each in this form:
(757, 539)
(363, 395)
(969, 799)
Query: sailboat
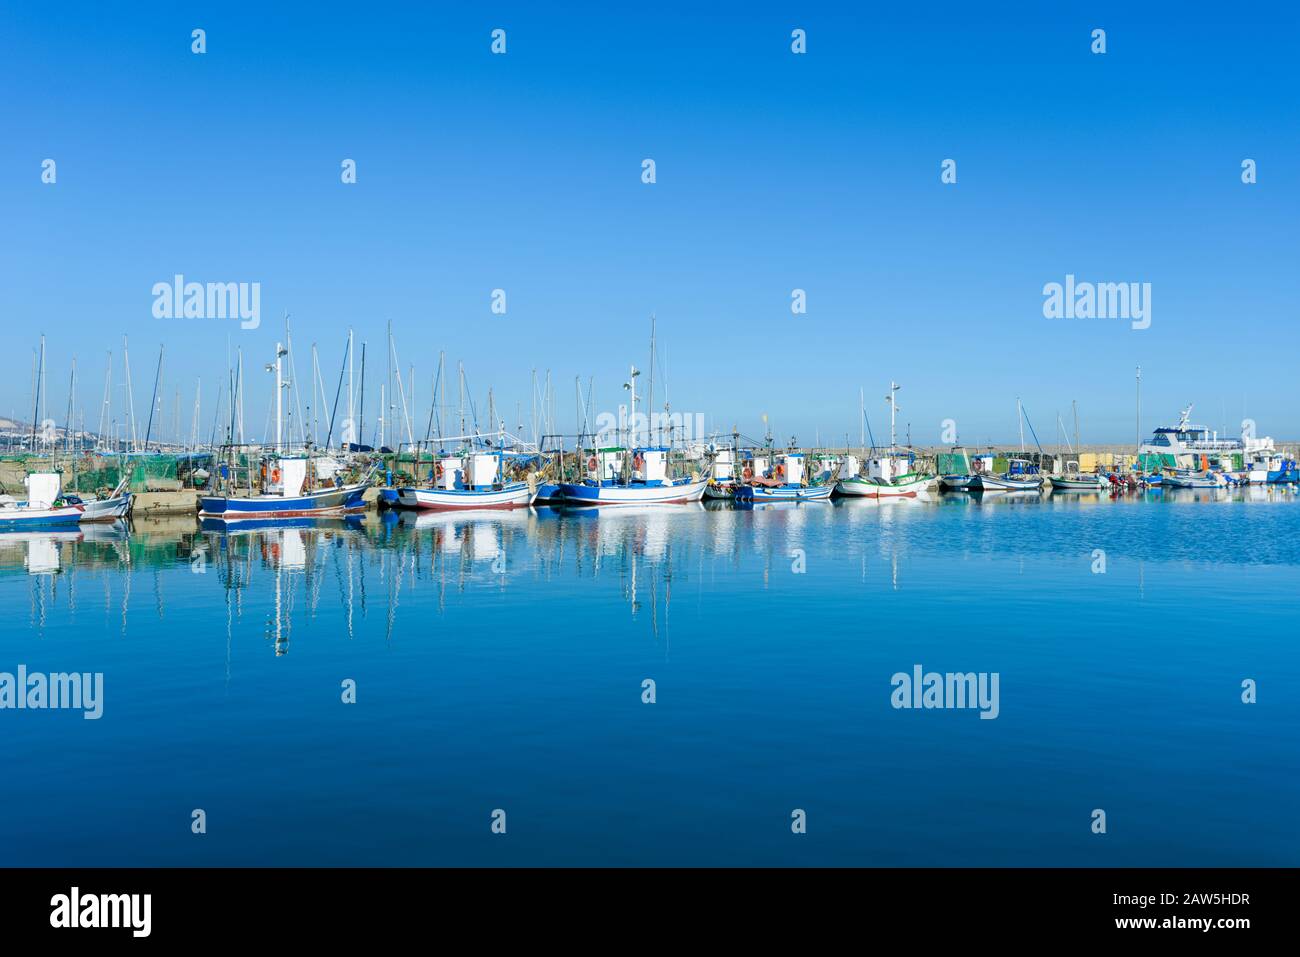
(1075, 480)
(1021, 475)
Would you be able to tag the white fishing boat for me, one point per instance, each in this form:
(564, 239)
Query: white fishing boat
(43, 508)
(722, 475)
(616, 476)
(786, 483)
(1021, 476)
(1190, 479)
(475, 481)
(891, 474)
(1075, 481)
(110, 509)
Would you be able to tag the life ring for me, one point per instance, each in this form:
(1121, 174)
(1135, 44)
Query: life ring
(747, 473)
(780, 471)
(275, 476)
(437, 470)
(592, 464)
(638, 463)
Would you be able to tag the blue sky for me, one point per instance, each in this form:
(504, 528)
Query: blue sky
(774, 172)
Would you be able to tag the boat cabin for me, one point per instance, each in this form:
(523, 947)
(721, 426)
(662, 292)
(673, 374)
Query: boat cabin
(650, 466)
(605, 465)
(724, 465)
(789, 468)
(42, 489)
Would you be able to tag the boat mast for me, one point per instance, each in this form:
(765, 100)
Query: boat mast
(130, 393)
(72, 406)
(893, 410)
(36, 393)
(650, 403)
(1077, 448)
(1137, 446)
(279, 384)
(1020, 417)
(106, 410)
(153, 402)
(351, 406)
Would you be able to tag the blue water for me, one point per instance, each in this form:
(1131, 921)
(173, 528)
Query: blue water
(499, 663)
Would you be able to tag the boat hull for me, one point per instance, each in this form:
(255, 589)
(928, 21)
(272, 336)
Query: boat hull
(1175, 481)
(24, 519)
(1000, 483)
(328, 501)
(604, 495)
(783, 493)
(865, 489)
(720, 490)
(107, 510)
(956, 483)
(1076, 485)
(514, 495)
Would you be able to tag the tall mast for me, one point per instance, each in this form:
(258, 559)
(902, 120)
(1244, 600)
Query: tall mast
(239, 396)
(650, 402)
(351, 406)
(279, 386)
(72, 406)
(893, 414)
(1137, 447)
(153, 402)
(1075, 405)
(1020, 416)
(130, 394)
(106, 410)
(442, 388)
(460, 366)
(36, 393)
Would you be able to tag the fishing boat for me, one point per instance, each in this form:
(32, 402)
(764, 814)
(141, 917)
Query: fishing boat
(1286, 473)
(1075, 481)
(476, 481)
(785, 483)
(1189, 479)
(891, 474)
(1021, 476)
(617, 477)
(722, 475)
(958, 469)
(109, 509)
(285, 492)
(44, 506)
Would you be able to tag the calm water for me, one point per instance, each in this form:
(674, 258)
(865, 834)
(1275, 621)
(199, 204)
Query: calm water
(499, 663)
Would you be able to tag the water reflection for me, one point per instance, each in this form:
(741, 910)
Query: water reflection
(279, 573)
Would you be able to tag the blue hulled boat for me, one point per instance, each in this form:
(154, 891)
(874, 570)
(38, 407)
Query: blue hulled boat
(283, 496)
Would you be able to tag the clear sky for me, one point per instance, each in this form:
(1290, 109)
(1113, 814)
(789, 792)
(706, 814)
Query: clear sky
(775, 171)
